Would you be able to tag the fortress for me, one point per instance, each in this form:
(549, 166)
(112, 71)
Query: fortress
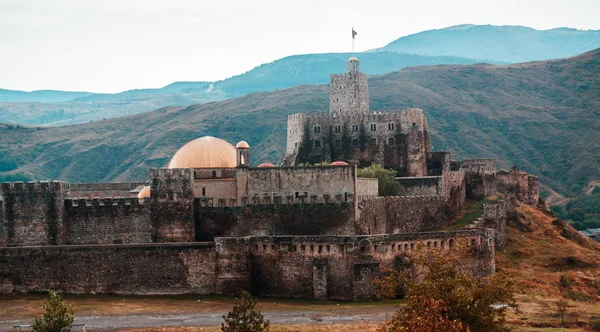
(211, 224)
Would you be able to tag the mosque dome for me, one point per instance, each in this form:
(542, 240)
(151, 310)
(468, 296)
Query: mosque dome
(242, 145)
(266, 165)
(205, 152)
(144, 193)
(339, 163)
(353, 59)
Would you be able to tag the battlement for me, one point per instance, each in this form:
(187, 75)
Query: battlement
(34, 187)
(376, 116)
(171, 173)
(380, 244)
(483, 165)
(96, 202)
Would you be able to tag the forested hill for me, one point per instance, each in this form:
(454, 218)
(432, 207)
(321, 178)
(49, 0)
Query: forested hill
(543, 117)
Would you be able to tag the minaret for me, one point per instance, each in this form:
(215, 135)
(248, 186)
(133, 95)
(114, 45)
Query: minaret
(349, 93)
(242, 149)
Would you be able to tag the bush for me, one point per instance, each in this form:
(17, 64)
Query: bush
(243, 317)
(58, 316)
(388, 186)
(595, 325)
(437, 288)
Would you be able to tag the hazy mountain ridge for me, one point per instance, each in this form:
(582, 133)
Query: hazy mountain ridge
(498, 43)
(463, 44)
(541, 116)
(49, 96)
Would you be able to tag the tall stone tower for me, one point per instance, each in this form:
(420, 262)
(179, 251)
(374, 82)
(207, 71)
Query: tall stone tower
(349, 93)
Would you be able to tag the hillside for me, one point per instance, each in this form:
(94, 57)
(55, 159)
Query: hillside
(498, 43)
(540, 116)
(283, 73)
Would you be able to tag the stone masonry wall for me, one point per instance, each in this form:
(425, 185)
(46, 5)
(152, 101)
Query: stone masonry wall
(171, 205)
(344, 267)
(401, 214)
(106, 221)
(421, 186)
(454, 192)
(103, 190)
(526, 187)
(270, 219)
(480, 177)
(33, 212)
(148, 269)
(495, 214)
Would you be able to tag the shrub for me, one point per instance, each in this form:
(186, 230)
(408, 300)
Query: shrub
(58, 316)
(388, 186)
(437, 287)
(243, 317)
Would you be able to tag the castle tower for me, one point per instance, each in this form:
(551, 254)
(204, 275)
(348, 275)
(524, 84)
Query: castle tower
(349, 93)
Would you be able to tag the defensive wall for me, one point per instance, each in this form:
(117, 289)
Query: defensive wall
(480, 177)
(103, 190)
(320, 267)
(525, 186)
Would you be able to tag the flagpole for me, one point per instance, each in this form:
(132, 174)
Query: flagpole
(352, 41)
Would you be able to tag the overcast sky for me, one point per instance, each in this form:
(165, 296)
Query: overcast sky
(115, 45)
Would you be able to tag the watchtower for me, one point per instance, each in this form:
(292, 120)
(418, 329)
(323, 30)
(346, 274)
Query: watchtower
(349, 92)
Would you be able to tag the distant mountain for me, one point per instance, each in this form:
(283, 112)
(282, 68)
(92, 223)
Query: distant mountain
(45, 96)
(542, 116)
(280, 74)
(498, 43)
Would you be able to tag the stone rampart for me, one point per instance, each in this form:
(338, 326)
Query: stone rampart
(273, 219)
(525, 186)
(103, 190)
(344, 267)
(421, 186)
(399, 214)
(106, 221)
(33, 212)
(147, 269)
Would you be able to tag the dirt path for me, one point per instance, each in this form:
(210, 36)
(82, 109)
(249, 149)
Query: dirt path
(118, 322)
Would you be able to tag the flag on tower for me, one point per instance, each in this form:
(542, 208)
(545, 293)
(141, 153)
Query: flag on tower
(353, 33)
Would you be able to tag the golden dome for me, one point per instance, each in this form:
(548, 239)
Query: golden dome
(242, 144)
(353, 59)
(266, 165)
(205, 152)
(144, 193)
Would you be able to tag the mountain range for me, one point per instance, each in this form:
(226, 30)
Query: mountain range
(463, 44)
(542, 116)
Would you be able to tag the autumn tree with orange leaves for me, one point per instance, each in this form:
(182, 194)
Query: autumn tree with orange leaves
(442, 296)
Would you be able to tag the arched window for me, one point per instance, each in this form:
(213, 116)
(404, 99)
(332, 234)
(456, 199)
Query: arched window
(214, 174)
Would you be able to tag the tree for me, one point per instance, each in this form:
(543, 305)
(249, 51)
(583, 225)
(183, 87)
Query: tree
(562, 306)
(58, 315)
(243, 317)
(388, 186)
(437, 277)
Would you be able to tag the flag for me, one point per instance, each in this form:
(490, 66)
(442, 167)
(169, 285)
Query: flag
(354, 33)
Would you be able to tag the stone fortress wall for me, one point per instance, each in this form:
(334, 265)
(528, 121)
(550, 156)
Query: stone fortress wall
(320, 267)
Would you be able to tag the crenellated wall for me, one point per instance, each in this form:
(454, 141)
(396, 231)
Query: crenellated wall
(103, 190)
(526, 187)
(399, 214)
(271, 219)
(421, 186)
(343, 267)
(33, 212)
(480, 177)
(106, 221)
(171, 204)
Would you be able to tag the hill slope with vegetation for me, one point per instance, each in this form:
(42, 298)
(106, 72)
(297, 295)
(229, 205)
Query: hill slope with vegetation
(542, 117)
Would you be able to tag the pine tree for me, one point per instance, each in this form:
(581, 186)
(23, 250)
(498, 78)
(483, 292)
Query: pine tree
(58, 316)
(243, 317)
